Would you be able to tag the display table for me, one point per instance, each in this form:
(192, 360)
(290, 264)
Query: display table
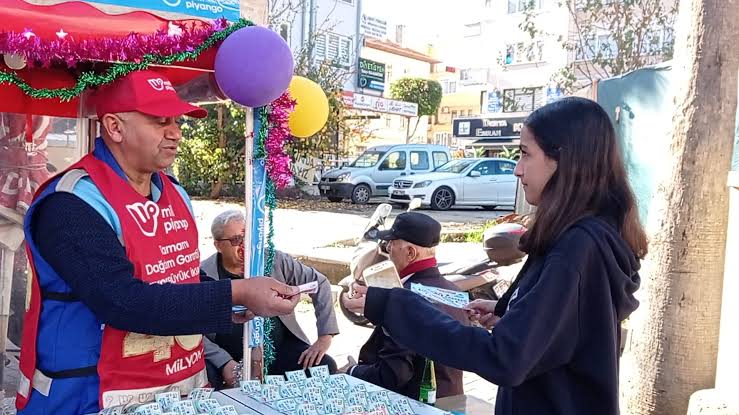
(465, 404)
(249, 405)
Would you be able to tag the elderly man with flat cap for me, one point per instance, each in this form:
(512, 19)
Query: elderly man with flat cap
(412, 242)
(117, 303)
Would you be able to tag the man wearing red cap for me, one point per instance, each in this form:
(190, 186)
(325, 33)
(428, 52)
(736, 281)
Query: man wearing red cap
(117, 304)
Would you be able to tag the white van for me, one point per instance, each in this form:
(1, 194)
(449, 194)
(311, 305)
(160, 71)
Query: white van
(373, 172)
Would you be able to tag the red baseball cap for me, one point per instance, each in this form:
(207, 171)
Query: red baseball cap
(147, 92)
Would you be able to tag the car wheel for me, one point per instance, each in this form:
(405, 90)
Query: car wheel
(361, 194)
(493, 207)
(334, 199)
(442, 199)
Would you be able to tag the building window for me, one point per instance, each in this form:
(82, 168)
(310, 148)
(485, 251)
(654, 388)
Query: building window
(449, 87)
(521, 52)
(388, 121)
(350, 2)
(465, 74)
(488, 3)
(388, 72)
(515, 6)
(521, 99)
(472, 30)
(334, 47)
(454, 114)
(285, 32)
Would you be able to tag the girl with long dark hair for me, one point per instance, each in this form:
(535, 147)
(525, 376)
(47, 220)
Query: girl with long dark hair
(554, 343)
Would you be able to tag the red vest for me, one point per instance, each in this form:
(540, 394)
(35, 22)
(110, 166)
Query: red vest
(161, 241)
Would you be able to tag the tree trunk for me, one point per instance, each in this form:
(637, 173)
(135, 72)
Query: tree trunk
(418, 121)
(674, 334)
(215, 190)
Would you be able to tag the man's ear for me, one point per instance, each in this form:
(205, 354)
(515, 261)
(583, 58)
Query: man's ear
(113, 126)
(412, 253)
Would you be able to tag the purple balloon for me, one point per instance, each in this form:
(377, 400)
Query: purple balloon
(254, 66)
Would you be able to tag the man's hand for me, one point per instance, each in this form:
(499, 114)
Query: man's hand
(349, 364)
(241, 318)
(354, 300)
(313, 355)
(483, 311)
(265, 296)
(229, 377)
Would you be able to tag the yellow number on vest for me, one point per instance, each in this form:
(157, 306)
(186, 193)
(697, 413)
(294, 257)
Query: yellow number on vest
(136, 344)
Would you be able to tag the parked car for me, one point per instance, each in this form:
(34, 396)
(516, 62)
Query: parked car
(486, 182)
(373, 172)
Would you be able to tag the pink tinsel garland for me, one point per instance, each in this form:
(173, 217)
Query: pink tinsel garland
(131, 48)
(278, 163)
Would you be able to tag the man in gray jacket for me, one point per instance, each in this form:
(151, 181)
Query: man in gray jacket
(293, 350)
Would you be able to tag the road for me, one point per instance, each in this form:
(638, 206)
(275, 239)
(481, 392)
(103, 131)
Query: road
(304, 225)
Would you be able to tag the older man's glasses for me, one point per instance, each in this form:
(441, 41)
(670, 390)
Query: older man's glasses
(234, 240)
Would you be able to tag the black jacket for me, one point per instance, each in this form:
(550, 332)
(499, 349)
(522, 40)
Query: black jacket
(556, 348)
(386, 363)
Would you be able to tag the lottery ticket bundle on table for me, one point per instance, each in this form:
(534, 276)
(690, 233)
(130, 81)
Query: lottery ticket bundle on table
(198, 402)
(324, 394)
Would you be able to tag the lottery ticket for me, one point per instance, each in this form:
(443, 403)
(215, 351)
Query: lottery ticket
(238, 309)
(314, 382)
(207, 405)
(225, 410)
(333, 406)
(290, 390)
(379, 396)
(274, 379)
(200, 393)
(287, 406)
(353, 409)
(116, 410)
(297, 376)
(307, 409)
(251, 387)
(186, 407)
(320, 372)
(451, 298)
(339, 382)
(152, 408)
(357, 398)
(312, 394)
(166, 399)
(270, 393)
(332, 393)
(402, 407)
(379, 406)
(308, 288)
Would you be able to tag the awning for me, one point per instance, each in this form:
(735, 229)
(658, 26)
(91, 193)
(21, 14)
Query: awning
(81, 21)
(497, 142)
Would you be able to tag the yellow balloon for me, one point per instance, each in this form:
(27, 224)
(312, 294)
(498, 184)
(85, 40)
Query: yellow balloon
(311, 108)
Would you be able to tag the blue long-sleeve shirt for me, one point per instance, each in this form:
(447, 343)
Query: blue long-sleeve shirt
(85, 251)
(555, 350)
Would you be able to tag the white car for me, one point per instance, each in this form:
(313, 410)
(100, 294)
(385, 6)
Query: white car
(486, 182)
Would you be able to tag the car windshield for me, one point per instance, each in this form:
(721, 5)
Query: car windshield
(454, 166)
(367, 159)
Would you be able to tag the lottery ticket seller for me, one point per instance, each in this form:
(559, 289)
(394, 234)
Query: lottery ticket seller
(555, 347)
(116, 297)
(293, 349)
(383, 361)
